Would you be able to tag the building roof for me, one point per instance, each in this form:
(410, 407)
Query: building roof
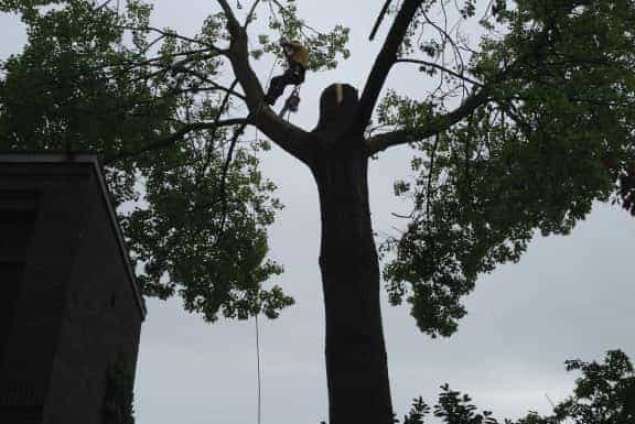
(93, 161)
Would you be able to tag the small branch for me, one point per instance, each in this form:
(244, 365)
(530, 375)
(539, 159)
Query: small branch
(251, 14)
(223, 181)
(397, 215)
(440, 68)
(379, 20)
(101, 6)
(174, 137)
(219, 113)
(172, 34)
(213, 84)
(430, 175)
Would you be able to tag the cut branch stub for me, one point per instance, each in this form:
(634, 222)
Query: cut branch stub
(338, 105)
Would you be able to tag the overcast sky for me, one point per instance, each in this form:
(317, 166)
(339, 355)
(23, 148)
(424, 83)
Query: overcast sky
(568, 297)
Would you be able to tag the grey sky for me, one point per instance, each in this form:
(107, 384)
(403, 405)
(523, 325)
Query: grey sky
(568, 297)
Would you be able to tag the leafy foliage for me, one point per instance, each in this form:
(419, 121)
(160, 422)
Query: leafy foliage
(159, 108)
(605, 394)
(287, 24)
(119, 393)
(552, 133)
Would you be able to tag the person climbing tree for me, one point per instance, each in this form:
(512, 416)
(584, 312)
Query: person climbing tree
(297, 59)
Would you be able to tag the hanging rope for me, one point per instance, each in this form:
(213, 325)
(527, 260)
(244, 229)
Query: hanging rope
(258, 365)
(257, 326)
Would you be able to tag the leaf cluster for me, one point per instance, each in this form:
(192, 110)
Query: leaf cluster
(605, 394)
(284, 22)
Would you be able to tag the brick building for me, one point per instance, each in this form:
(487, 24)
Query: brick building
(69, 305)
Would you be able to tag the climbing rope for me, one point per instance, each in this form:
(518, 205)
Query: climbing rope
(258, 365)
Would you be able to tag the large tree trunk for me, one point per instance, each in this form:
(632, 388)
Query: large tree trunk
(356, 365)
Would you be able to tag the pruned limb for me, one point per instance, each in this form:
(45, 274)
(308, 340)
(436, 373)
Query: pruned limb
(289, 137)
(436, 125)
(383, 63)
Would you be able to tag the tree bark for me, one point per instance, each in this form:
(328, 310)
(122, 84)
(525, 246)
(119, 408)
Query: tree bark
(356, 366)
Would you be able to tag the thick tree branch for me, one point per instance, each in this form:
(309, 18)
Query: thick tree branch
(289, 137)
(173, 138)
(436, 125)
(383, 63)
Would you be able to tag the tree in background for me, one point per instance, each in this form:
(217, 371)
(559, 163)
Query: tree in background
(605, 394)
(521, 133)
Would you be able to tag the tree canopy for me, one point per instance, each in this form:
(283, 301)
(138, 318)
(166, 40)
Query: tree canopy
(523, 132)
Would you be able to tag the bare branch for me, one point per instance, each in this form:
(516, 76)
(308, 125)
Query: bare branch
(441, 68)
(379, 20)
(219, 113)
(223, 181)
(173, 138)
(251, 14)
(101, 6)
(214, 85)
(383, 63)
(433, 155)
(172, 34)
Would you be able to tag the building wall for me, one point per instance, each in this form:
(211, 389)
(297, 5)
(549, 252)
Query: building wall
(38, 310)
(75, 311)
(101, 324)
(18, 211)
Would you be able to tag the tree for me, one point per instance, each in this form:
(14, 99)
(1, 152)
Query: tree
(522, 133)
(605, 394)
